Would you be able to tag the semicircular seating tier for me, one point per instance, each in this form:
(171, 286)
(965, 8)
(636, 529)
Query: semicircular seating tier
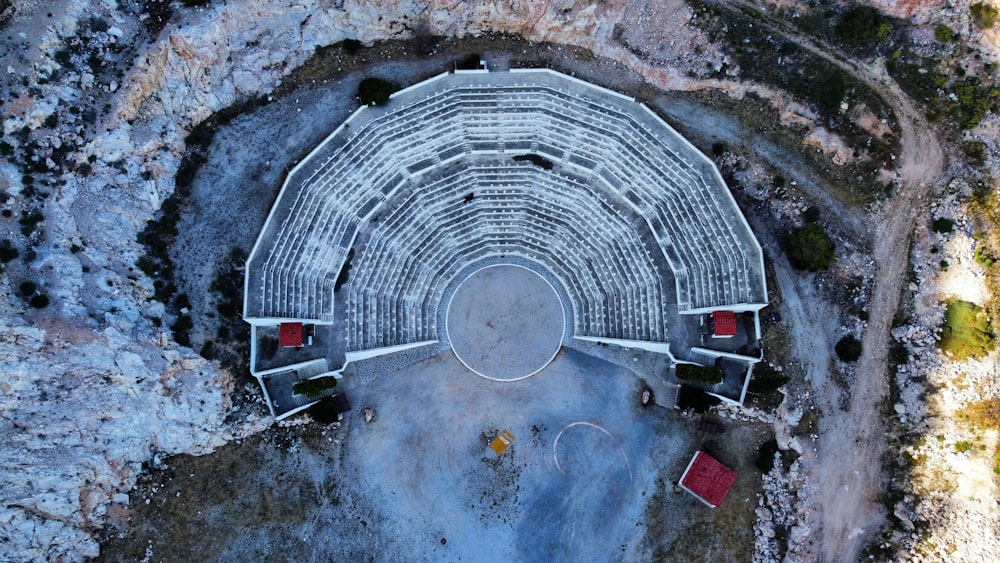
(588, 185)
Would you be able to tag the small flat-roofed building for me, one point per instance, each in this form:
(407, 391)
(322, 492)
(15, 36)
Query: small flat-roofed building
(290, 335)
(723, 324)
(707, 479)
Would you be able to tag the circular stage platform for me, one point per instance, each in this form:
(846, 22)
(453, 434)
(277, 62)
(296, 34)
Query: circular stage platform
(505, 322)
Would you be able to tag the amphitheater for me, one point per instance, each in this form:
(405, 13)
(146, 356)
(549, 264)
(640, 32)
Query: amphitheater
(475, 187)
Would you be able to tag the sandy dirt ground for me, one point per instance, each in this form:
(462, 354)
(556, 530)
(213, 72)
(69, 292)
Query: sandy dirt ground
(589, 477)
(505, 322)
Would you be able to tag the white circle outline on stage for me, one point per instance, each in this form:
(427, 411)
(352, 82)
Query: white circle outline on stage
(562, 335)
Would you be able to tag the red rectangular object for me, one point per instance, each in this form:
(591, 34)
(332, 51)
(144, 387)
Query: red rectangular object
(724, 323)
(708, 479)
(290, 335)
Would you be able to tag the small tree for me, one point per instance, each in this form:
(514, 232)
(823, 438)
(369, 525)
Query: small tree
(848, 348)
(810, 248)
(943, 33)
(984, 15)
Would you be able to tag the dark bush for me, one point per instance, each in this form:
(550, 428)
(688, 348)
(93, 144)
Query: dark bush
(313, 387)
(863, 23)
(811, 214)
(7, 251)
(766, 380)
(765, 456)
(146, 265)
(376, 91)
(29, 221)
(810, 248)
(695, 399)
(832, 91)
(848, 348)
(180, 329)
(208, 350)
(325, 411)
(975, 152)
(942, 225)
(39, 301)
(469, 62)
(351, 46)
(28, 288)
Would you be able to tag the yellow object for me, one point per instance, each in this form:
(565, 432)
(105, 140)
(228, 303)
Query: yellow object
(502, 442)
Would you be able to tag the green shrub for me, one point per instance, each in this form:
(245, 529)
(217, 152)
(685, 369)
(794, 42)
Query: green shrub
(698, 374)
(983, 257)
(983, 15)
(848, 348)
(375, 91)
(984, 414)
(943, 33)
(810, 248)
(943, 225)
(975, 152)
(313, 387)
(863, 23)
(39, 301)
(966, 332)
(963, 446)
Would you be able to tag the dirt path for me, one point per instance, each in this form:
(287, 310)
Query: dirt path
(852, 441)
(848, 474)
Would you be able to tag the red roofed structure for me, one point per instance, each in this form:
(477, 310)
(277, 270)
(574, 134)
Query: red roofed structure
(724, 323)
(290, 335)
(707, 479)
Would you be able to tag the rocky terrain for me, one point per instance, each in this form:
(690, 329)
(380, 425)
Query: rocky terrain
(99, 99)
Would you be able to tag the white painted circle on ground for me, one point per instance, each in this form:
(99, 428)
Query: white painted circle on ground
(584, 449)
(505, 322)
